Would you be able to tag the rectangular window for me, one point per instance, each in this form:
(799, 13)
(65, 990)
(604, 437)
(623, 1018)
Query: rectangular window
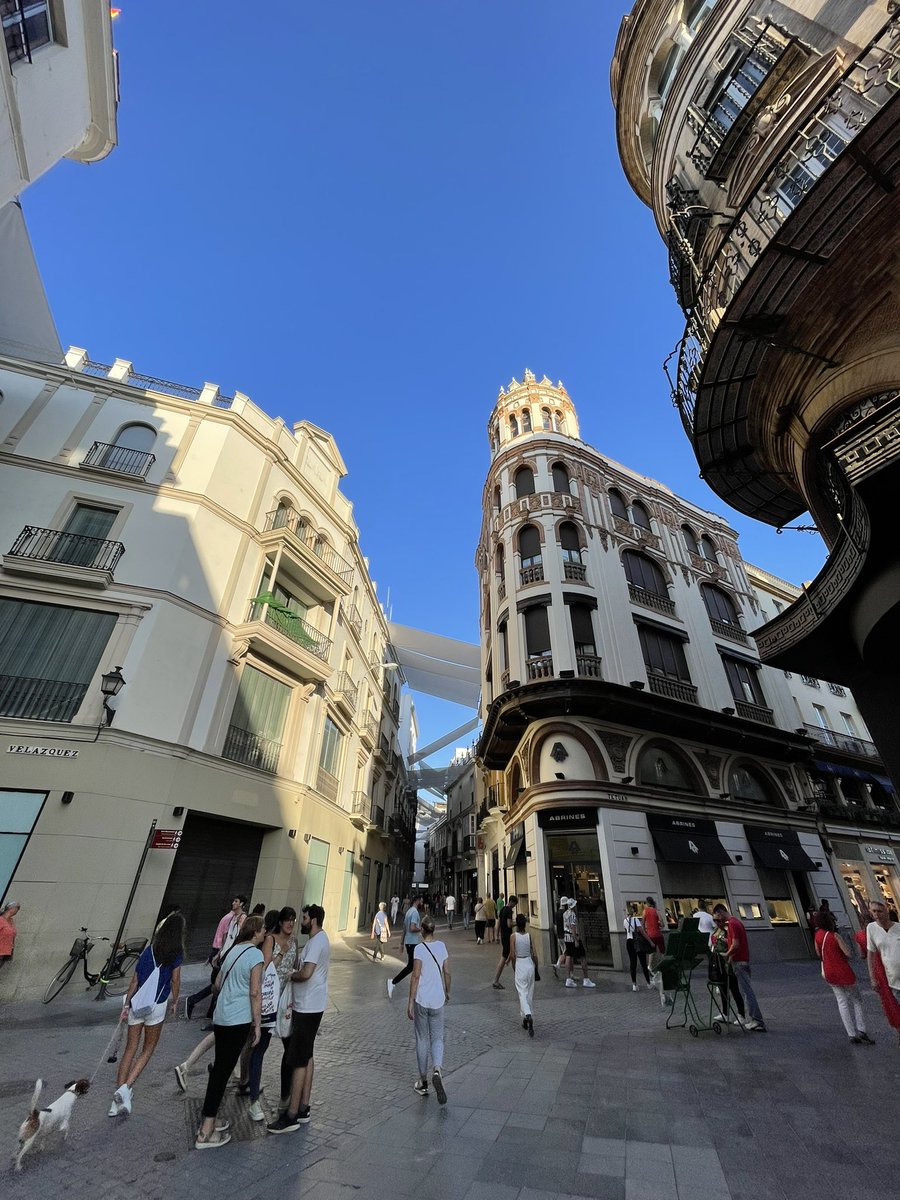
(663, 655)
(19, 812)
(330, 755)
(537, 632)
(48, 656)
(316, 870)
(582, 628)
(26, 27)
(821, 715)
(743, 680)
(256, 731)
(849, 724)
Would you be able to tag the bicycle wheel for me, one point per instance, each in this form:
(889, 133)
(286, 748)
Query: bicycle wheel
(60, 979)
(120, 975)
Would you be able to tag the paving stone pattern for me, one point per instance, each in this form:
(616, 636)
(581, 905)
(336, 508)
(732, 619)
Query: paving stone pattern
(604, 1102)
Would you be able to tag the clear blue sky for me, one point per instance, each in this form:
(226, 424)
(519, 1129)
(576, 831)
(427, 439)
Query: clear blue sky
(371, 215)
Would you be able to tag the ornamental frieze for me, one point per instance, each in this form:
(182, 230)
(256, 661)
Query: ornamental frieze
(617, 745)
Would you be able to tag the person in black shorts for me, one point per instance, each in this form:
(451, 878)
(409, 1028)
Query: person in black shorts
(505, 917)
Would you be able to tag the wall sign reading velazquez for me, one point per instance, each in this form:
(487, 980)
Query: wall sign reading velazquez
(43, 751)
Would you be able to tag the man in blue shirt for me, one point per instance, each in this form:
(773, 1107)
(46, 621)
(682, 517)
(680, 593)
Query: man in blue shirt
(412, 935)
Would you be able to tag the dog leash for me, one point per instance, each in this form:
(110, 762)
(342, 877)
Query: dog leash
(111, 1046)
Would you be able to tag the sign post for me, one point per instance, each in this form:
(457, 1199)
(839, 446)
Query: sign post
(104, 974)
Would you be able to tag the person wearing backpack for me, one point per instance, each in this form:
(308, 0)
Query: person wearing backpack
(154, 987)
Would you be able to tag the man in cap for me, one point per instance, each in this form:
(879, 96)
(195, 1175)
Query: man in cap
(574, 950)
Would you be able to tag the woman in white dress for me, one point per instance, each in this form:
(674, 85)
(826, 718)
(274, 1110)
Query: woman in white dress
(525, 964)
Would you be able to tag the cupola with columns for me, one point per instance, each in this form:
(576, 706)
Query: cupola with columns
(531, 407)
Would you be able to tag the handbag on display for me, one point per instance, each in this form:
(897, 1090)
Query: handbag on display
(285, 1011)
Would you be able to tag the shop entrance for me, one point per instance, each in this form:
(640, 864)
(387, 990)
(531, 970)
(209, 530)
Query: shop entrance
(215, 861)
(575, 871)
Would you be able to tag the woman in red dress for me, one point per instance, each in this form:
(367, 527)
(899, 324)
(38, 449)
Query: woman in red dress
(837, 971)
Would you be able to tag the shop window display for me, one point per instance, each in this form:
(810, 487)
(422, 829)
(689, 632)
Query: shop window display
(779, 901)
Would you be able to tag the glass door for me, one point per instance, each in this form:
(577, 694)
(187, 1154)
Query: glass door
(575, 871)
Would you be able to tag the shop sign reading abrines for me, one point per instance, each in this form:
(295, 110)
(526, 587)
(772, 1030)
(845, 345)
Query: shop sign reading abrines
(43, 751)
(567, 818)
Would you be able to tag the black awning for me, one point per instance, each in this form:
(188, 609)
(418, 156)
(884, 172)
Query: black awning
(778, 849)
(516, 846)
(686, 847)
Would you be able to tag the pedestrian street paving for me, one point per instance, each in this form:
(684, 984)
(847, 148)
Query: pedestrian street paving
(604, 1102)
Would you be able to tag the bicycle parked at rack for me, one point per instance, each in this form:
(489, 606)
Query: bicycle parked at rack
(119, 975)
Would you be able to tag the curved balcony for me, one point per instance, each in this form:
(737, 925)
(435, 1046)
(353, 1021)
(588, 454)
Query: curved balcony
(307, 556)
(751, 305)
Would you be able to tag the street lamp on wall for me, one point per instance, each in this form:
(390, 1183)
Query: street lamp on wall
(110, 685)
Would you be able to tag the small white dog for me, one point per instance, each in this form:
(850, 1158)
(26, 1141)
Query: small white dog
(41, 1122)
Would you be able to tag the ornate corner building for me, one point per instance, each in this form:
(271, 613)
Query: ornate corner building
(633, 743)
(766, 139)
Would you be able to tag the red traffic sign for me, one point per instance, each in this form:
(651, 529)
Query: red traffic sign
(166, 839)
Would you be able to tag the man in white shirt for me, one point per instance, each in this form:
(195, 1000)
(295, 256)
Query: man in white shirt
(395, 908)
(705, 923)
(310, 998)
(450, 909)
(883, 937)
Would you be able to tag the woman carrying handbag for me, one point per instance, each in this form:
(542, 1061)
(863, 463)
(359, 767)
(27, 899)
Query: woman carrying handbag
(525, 968)
(381, 931)
(637, 945)
(838, 973)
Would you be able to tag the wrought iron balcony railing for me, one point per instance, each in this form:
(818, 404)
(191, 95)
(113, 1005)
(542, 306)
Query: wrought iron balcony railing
(361, 806)
(726, 630)
(345, 687)
(867, 86)
(647, 599)
(675, 689)
(313, 541)
(354, 618)
(836, 689)
(293, 626)
(151, 383)
(251, 749)
(843, 741)
(58, 546)
(40, 699)
(755, 712)
(119, 459)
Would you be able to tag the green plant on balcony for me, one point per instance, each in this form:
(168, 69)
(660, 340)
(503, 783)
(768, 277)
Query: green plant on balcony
(285, 619)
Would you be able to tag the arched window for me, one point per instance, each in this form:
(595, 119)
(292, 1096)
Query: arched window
(529, 546)
(513, 427)
(561, 481)
(643, 572)
(524, 482)
(668, 71)
(640, 516)
(570, 542)
(661, 766)
(526, 420)
(690, 540)
(707, 549)
(499, 562)
(557, 421)
(560, 423)
(130, 453)
(696, 13)
(617, 505)
(719, 605)
(747, 783)
(496, 499)
(284, 515)
(515, 782)
(546, 420)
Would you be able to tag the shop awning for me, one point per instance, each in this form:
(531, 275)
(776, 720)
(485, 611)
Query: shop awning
(778, 849)
(831, 768)
(688, 839)
(516, 847)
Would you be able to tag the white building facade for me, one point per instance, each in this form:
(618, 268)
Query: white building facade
(58, 87)
(633, 744)
(202, 551)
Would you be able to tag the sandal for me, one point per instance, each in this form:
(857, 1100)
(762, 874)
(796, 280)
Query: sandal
(212, 1141)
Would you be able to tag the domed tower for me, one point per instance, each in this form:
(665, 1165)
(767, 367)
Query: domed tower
(536, 593)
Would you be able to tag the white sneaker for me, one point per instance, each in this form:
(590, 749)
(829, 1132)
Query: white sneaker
(255, 1112)
(390, 988)
(634, 987)
(124, 1095)
(571, 983)
(113, 1108)
(588, 983)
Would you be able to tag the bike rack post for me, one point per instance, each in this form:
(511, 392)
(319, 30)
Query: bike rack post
(104, 974)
